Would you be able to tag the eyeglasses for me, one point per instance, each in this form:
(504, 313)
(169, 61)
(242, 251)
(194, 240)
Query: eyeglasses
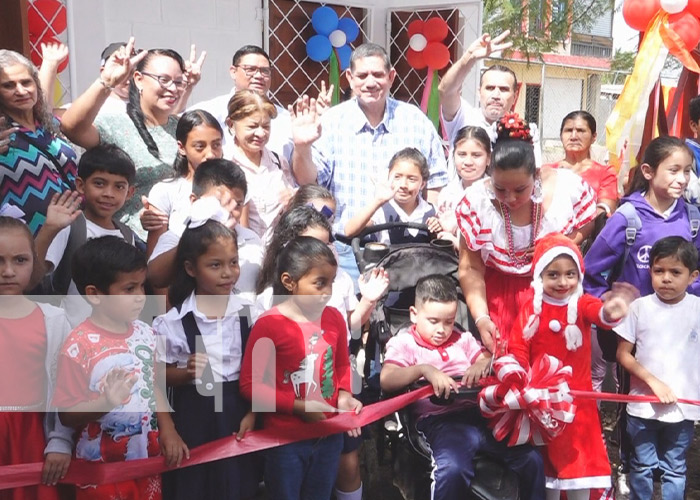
(326, 211)
(250, 71)
(165, 81)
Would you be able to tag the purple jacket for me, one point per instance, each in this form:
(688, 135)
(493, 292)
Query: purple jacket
(609, 247)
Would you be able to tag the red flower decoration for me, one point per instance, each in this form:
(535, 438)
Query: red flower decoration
(425, 42)
(511, 126)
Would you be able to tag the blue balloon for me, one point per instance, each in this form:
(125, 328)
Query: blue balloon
(348, 26)
(324, 20)
(344, 54)
(319, 48)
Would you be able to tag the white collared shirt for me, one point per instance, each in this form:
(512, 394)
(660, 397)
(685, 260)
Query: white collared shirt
(418, 216)
(221, 337)
(250, 254)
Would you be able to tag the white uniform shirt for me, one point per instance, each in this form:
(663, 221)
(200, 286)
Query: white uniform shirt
(221, 337)
(667, 337)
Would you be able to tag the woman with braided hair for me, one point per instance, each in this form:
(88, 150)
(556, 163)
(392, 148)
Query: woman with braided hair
(502, 216)
(161, 82)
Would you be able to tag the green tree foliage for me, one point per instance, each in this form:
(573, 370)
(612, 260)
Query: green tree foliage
(539, 26)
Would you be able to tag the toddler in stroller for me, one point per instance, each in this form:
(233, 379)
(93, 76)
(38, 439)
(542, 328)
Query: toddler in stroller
(487, 477)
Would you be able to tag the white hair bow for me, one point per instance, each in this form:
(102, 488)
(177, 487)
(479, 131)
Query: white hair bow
(7, 210)
(204, 209)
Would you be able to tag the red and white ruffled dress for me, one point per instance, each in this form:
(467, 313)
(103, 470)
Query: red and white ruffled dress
(484, 230)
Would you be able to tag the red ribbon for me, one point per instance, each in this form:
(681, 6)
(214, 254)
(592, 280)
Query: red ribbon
(15, 476)
(529, 405)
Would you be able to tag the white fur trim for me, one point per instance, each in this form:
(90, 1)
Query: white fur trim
(551, 254)
(574, 337)
(578, 483)
(533, 323)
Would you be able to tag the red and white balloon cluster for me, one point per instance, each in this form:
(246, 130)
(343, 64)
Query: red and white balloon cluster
(683, 17)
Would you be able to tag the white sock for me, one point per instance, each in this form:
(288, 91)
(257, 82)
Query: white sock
(349, 495)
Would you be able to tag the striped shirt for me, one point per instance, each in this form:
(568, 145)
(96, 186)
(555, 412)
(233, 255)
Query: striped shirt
(351, 155)
(483, 227)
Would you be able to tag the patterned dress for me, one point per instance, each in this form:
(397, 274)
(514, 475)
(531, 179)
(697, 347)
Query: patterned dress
(29, 178)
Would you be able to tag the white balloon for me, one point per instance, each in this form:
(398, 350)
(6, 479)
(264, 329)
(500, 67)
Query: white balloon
(337, 38)
(417, 42)
(674, 6)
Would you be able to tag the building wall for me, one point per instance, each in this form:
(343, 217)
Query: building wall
(217, 26)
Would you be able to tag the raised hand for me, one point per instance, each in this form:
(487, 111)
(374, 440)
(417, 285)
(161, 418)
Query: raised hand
(193, 66)
(120, 65)
(152, 218)
(323, 101)
(117, 386)
(306, 121)
(5, 135)
(53, 54)
(374, 286)
(63, 209)
(485, 46)
(617, 301)
(385, 190)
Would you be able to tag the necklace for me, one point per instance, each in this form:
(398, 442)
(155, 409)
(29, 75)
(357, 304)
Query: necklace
(535, 219)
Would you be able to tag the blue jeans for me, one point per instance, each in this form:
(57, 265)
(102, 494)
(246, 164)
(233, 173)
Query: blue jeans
(304, 470)
(660, 445)
(456, 437)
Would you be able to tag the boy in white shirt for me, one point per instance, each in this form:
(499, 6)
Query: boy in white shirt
(105, 181)
(664, 329)
(224, 181)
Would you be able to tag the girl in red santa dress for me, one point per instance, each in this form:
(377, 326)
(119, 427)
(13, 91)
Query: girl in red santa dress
(556, 320)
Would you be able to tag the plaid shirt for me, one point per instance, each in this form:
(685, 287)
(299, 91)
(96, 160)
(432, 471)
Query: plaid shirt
(351, 155)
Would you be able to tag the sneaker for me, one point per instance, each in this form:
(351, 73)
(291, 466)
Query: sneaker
(622, 486)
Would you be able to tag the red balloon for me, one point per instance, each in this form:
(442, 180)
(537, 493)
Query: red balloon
(693, 7)
(437, 55)
(638, 13)
(686, 26)
(35, 55)
(416, 59)
(435, 29)
(43, 13)
(415, 27)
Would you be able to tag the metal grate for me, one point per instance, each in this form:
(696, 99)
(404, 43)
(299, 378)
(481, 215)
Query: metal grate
(409, 82)
(289, 26)
(61, 90)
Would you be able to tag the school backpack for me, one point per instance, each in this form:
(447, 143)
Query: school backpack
(634, 224)
(61, 277)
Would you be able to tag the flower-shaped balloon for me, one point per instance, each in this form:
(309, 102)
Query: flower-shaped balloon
(334, 36)
(426, 47)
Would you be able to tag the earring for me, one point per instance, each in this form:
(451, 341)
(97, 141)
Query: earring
(536, 195)
(488, 187)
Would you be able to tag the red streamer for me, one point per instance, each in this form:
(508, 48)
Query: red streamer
(16, 476)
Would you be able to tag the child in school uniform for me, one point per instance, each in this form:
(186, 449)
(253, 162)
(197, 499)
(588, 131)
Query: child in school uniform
(205, 335)
(664, 328)
(400, 199)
